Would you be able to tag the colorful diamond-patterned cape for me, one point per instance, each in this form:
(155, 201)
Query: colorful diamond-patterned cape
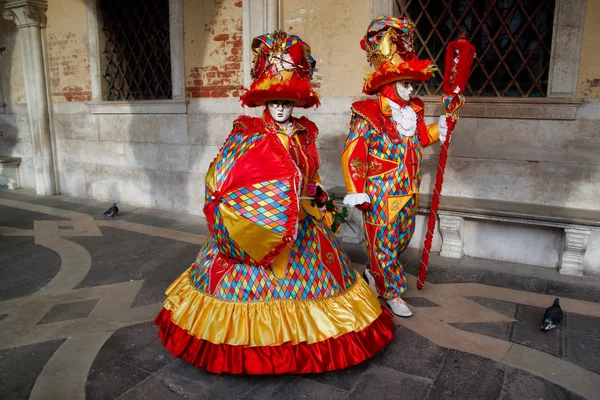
(308, 310)
(252, 197)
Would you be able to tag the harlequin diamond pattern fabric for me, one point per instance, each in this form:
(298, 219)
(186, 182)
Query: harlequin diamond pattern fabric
(392, 183)
(199, 273)
(270, 41)
(246, 282)
(306, 276)
(232, 150)
(390, 241)
(263, 203)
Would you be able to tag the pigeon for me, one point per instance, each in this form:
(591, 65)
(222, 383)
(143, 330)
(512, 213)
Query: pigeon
(552, 316)
(113, 211)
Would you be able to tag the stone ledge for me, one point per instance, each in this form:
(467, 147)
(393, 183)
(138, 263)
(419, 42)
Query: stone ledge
(547, 108)
(538, 214)
(139, 107)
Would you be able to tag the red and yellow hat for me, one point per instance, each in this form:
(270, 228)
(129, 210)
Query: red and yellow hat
(389, 44)
(281, 70)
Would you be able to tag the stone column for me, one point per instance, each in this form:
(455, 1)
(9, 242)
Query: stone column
(384, 7)
(258, 17)
(30, 18)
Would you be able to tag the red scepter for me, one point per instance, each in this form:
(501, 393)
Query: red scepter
(459, 58)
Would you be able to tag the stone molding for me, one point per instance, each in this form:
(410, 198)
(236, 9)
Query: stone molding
(546, 108)
(178, 106)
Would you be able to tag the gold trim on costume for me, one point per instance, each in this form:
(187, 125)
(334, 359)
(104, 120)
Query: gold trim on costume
(395, 204)
(373, 126)
(359, 171)
(433, 133)
(271, 322)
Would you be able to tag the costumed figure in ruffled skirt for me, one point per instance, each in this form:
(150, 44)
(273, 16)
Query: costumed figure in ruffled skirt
(271, 290)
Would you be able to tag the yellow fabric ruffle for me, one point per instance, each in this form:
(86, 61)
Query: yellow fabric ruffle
(271, 322)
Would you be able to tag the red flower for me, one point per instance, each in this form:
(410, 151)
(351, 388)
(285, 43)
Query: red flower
(311, 189)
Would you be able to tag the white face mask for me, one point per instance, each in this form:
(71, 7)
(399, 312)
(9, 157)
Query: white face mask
(281, 111)
(403, 90)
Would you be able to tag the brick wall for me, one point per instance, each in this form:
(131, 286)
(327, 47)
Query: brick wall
(222, 79)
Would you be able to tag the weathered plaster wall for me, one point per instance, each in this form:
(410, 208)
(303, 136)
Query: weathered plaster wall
(68, 52)
(146, 160)
(161, 161)
(589, 68)
(213, 47)
(333, 30)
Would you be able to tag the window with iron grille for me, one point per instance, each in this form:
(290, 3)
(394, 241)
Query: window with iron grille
(512, 38)
(136, 51)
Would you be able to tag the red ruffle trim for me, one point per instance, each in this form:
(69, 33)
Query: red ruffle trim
(328, 355)
(418, 70)
(296, 89)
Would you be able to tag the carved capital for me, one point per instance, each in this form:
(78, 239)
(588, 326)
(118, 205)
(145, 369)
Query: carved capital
(26, 13)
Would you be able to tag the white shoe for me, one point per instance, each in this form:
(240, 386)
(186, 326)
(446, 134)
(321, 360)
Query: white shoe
(371, 280)
(399, 307)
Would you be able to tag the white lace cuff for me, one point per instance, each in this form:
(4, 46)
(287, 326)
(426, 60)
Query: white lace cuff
(354, 199)
(442, 128)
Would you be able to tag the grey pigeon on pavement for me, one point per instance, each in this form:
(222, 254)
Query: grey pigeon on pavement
(553, 316)
(113, 211)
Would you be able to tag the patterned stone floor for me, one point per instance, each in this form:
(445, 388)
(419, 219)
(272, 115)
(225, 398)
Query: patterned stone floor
(78, 294)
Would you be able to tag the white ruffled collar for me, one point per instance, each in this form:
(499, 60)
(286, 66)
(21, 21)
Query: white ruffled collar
(404, 117)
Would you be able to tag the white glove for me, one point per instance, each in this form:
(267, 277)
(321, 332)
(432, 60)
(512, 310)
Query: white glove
(442, 128)
(353, 199)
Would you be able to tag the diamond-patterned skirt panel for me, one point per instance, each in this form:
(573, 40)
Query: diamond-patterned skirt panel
(246, 283)
(348, 273)
(235, 146)
(264, 203)
(306, 276)
(199, 273)
(390, 241)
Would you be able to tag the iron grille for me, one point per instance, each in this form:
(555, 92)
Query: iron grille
(136, 52)
(512, 38)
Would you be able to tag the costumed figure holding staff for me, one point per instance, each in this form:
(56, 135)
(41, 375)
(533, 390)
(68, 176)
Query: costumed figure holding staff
(271, 290)
(383, 152)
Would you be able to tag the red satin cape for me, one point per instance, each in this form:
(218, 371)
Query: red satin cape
(328, 355)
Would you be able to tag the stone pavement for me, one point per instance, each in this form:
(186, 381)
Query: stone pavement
(78, 293)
